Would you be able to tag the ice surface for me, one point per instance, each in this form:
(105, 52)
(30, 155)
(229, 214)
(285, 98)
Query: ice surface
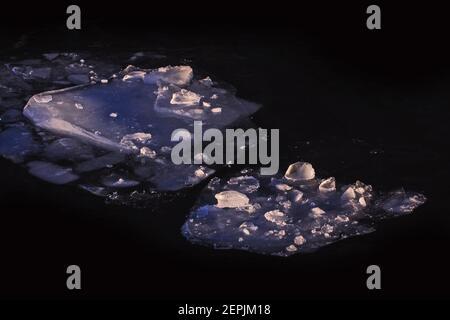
(111, 132)
(290, 214)
(51, 172)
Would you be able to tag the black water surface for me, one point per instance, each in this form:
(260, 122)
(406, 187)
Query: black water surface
(356, 105)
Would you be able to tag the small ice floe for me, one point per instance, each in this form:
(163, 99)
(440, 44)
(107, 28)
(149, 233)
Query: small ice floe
(289, 214)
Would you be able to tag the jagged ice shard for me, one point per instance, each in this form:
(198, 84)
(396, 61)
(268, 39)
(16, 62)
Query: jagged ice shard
(288, 214)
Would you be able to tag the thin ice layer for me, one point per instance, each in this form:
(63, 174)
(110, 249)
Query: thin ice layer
(289, 214)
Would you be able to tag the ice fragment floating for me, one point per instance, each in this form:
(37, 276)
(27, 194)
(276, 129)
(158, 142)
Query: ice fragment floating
(291, 214)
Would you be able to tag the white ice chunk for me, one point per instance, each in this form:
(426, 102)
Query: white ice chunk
(231, 199)
(116, 181)
(348, 194)
(327, 185)
(178, 75)
(186, 98)
(300, 171)
(402, 202)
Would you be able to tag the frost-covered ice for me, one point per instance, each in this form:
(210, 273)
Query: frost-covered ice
(289, 214)
(112, 130)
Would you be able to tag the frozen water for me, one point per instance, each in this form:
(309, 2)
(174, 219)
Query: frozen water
(110, 135)
(300, 171)
(290, 214)
(17, 143)
(112, 131)
(51, 172)
(231, 199)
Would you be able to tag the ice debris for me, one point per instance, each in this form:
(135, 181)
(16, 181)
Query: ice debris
(112, 131)
(289, 214)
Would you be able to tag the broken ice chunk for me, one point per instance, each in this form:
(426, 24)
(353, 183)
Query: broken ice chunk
(68, 149)
(186, 98)
(327, 185)
(300, 171)
(291, 248)
(147, 152)
(299, 240)
(179, 75)
(402, 202)
(51, 172)
(348, 194)
(101, 162)
(276, 216)
(133, 101)
(248, 228)
(245, 184)
(51, 56)
(316, 213)
(231, 199)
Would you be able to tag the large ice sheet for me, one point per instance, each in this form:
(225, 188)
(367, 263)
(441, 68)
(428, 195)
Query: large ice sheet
(111, 132)
(289, 214)
(139, 101)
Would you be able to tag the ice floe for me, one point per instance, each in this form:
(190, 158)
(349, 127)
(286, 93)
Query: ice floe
(289, 214)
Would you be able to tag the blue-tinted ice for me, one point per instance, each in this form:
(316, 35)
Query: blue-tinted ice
(289, 214)
(110, 133)
(108, 130)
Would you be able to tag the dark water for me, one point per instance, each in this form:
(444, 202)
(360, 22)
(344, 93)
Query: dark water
(379, 121)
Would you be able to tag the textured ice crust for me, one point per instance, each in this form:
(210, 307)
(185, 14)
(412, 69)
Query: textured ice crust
(289, 214)
(111, 133)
